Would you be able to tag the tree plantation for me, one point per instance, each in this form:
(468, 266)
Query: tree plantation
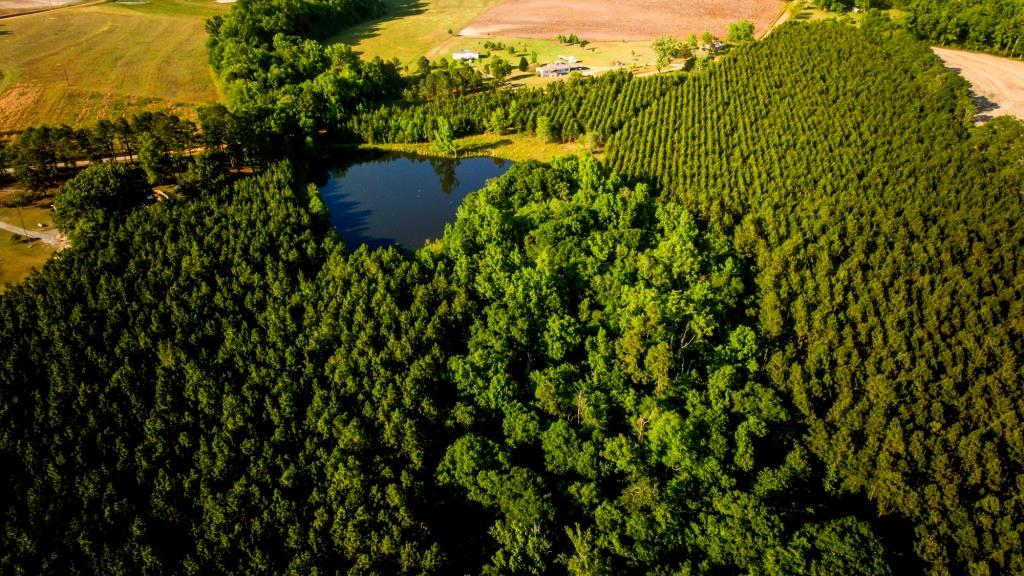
(886, 246)
(776, 329)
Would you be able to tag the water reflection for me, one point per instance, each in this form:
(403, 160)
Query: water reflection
(400, 199)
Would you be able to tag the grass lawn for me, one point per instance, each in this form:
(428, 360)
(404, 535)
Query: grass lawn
(37, 213)
(77, 65)
(515, 147)
(412, 28)
(18, 258)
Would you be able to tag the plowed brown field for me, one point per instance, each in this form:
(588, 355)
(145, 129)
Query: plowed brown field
(620, 20)
(12, 7)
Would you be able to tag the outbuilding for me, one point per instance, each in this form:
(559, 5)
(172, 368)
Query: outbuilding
(557, 69)
(466, 55)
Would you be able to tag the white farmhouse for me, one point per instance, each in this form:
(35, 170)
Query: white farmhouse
(466, 55)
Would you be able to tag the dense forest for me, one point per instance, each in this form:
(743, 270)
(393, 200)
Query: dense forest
(887, 245)
(995, 26)
(280, 76)
(776, 331)
(164, 145)
(596, 106)
(569, 383)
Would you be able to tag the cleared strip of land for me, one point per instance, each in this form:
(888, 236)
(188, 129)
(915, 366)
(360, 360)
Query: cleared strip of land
(998, 83)
(615, 20)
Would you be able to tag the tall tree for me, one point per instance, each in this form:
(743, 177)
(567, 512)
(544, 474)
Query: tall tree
(101, 195)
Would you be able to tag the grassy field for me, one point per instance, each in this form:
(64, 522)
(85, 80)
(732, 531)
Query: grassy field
(18, 257)
(37, 213)
(76, 65)
(413, 28)
(515, 147)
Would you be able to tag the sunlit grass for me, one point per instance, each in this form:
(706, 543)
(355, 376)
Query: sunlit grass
(515, 147)
(76, 65)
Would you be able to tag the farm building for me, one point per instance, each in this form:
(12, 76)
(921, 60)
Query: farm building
(466, 55)
(558, 69)
(713, 47)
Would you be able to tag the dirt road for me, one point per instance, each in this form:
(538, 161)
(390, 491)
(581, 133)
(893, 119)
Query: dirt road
(998, 83)
(47, 235)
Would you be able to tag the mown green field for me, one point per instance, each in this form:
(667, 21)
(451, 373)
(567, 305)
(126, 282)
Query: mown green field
(37, 213)
(76, 65)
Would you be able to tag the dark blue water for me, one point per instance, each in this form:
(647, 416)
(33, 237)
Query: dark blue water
(402, 200)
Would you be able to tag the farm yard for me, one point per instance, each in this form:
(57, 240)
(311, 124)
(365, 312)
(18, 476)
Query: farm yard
(79, 64)
(596, 57)
(617, 34)
(641, 20)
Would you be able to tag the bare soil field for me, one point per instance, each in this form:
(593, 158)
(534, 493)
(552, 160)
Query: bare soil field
(618, 20)
(998, 83)
(12, 7)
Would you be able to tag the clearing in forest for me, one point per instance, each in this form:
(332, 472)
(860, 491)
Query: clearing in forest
(82, 63)
(997, 83)
(616, 20)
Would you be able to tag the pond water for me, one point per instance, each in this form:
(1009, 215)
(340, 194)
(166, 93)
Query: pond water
(402, 200)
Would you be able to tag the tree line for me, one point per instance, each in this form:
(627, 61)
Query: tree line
(564, 111)
(995, 26)
(164, 145)
(280, 75)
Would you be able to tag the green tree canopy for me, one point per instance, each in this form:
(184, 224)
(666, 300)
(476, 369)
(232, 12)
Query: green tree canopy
(667, 49)
(100, 195)
(741, 31)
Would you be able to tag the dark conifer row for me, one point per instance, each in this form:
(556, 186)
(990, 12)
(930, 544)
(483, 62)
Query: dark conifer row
(584, 105)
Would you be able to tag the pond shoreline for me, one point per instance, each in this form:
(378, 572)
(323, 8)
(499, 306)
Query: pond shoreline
(513, 147)
(380, 198)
